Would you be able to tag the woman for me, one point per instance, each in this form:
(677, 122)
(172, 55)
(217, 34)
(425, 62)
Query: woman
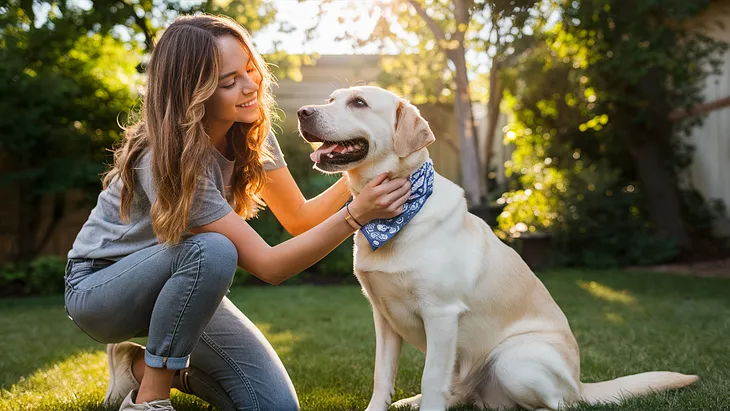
(159, 250)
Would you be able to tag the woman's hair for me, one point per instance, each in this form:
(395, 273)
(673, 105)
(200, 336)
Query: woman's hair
(182, 74)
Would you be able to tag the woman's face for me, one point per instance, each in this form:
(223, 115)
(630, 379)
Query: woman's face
(236, 97)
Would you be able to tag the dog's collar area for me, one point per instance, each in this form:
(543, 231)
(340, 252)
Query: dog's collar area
(379, 231)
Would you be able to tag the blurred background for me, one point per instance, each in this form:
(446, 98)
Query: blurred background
(589, 133)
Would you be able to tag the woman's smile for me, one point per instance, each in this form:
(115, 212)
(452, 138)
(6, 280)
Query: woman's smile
(248, 104)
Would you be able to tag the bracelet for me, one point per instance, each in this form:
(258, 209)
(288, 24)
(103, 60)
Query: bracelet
(351, 223)
(349, 215)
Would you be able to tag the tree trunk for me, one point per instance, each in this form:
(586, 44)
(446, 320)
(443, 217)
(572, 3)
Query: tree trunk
(470, 172)
(650, 154)
(660, 192)
(57, 213)
(27, 215)
(495, 98)
(29, 219)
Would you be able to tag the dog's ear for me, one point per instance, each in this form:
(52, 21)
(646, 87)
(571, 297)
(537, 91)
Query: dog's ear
(412, 132)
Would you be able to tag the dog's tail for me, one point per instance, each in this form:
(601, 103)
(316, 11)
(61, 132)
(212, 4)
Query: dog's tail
(615, 390)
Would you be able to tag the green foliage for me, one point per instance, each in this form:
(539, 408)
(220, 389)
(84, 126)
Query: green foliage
(70, 74)
(65, 109)
(420, 69)
(590, 88)
(42, 276)
(64, 87)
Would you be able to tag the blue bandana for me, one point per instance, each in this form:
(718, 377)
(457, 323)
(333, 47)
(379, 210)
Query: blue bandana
(379, 231)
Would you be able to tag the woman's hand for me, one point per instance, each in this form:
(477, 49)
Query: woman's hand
(380, 199)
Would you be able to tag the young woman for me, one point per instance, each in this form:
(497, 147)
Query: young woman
(159, 250)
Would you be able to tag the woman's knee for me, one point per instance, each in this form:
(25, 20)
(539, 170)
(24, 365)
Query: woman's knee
(217, 255)
(283, 400)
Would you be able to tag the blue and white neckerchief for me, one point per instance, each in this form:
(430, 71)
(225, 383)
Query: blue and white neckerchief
(379, 231)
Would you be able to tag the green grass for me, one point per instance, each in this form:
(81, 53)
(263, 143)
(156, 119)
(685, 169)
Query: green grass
(625, 323)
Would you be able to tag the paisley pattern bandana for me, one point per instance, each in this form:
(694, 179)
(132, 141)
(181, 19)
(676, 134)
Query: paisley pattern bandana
(379, 231)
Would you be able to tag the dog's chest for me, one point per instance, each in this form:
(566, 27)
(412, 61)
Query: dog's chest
(400, 289)
(398, 298)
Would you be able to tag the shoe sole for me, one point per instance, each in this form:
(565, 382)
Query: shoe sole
(112, 375)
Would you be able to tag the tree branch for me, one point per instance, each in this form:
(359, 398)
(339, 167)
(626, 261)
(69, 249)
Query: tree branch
(700, 109)
(461, 14)
(141, 22)
(435, 28)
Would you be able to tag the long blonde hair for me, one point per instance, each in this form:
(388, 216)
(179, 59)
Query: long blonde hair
(181, 76)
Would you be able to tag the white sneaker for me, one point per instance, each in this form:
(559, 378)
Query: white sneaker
(121, 380)
(156, 405)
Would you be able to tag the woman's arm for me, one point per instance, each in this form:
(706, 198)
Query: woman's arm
(294, 212)
(278, 263)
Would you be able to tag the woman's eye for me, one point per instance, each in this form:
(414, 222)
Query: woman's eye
(230, 86)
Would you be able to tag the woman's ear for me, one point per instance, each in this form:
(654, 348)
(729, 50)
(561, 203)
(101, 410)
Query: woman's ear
(412, 132)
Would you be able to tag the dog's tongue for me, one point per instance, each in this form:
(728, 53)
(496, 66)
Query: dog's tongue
(322, 150)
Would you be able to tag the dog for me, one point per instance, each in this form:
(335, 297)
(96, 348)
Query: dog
(492, 334)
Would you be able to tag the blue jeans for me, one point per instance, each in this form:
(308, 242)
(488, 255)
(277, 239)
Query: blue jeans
(175, 295)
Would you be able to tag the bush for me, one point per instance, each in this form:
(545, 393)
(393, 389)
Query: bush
(593, 146)
(595, 220)
(42, 276)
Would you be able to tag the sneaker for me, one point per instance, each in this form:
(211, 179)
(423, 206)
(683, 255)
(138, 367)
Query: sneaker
(121, 379)
(156, 405)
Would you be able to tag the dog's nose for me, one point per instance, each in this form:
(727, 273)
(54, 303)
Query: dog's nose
(305, 112)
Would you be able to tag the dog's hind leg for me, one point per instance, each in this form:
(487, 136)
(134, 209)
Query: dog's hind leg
(532, 375)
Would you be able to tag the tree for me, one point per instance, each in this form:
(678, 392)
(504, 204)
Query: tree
(597, 157)
(451, 43)
(65, 89)
(433, 39)
(69, 74)
(507, 22)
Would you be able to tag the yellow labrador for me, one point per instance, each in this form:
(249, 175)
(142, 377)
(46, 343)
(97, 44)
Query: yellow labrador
(492, 334)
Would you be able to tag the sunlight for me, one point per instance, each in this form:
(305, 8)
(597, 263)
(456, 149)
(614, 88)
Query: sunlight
(607, 293)
(83, 375)
(283, 341)
(615, 318)
(301, 16)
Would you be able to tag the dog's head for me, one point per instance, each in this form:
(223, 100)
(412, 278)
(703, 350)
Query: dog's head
(362, 126)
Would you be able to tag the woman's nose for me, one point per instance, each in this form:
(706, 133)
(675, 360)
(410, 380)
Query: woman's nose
(249, 86)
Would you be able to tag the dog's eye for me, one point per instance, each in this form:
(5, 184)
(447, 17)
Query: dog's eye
(358, 102)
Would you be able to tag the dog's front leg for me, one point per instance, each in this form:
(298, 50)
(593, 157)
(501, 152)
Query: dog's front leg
(387, 350)
(441, 325)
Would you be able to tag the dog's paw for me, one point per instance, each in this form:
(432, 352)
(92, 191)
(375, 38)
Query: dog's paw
(412, 403)
(378, 405)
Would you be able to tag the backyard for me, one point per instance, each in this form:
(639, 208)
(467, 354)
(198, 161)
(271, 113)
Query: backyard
(625, 322)
(591, 135)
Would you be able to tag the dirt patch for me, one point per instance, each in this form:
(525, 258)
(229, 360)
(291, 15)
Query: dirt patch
(710, 268)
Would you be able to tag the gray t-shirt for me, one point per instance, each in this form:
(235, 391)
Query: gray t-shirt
(105, 235)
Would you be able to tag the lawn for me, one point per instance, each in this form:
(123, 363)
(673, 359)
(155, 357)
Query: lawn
(625, 323)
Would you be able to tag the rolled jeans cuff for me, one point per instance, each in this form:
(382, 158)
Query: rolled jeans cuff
(171, 363)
